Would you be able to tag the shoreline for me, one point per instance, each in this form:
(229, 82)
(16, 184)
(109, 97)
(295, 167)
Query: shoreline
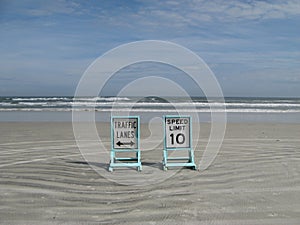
(20, 116)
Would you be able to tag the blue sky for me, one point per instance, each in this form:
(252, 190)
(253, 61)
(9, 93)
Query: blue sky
(253, 47)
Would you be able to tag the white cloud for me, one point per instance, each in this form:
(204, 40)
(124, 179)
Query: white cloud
(42, 8)
(235, 9)
(193, 12)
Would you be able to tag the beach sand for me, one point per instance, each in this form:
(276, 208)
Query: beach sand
(255, 179)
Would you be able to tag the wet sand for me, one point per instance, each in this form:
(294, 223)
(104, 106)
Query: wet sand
(255, 179)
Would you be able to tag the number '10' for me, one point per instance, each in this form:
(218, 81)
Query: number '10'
(180, 139)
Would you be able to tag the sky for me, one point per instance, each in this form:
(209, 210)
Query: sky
(252, 46)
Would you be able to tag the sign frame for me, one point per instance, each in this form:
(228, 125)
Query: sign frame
(125, 161)
(191, 159)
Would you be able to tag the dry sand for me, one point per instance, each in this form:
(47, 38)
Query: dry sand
(254, 180)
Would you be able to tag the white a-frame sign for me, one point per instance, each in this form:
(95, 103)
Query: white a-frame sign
(125, 137)
(178, 136)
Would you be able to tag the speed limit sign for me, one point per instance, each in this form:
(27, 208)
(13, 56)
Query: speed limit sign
(178, 136)
(177, 132)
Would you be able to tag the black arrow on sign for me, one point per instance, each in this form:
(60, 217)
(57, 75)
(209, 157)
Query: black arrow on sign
(119, 143)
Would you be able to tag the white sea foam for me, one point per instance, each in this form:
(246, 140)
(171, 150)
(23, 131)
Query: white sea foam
(149, 110)
(40, 99)
(156, 104)
(108, 99)
(151, 104)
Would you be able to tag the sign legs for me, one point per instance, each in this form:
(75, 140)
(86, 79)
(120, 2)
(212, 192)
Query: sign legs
(178, 161)
(125, 161)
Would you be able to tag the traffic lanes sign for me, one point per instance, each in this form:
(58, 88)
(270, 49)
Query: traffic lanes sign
(125, 132)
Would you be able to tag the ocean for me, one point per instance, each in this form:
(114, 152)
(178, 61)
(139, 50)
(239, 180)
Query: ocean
(59, 108)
